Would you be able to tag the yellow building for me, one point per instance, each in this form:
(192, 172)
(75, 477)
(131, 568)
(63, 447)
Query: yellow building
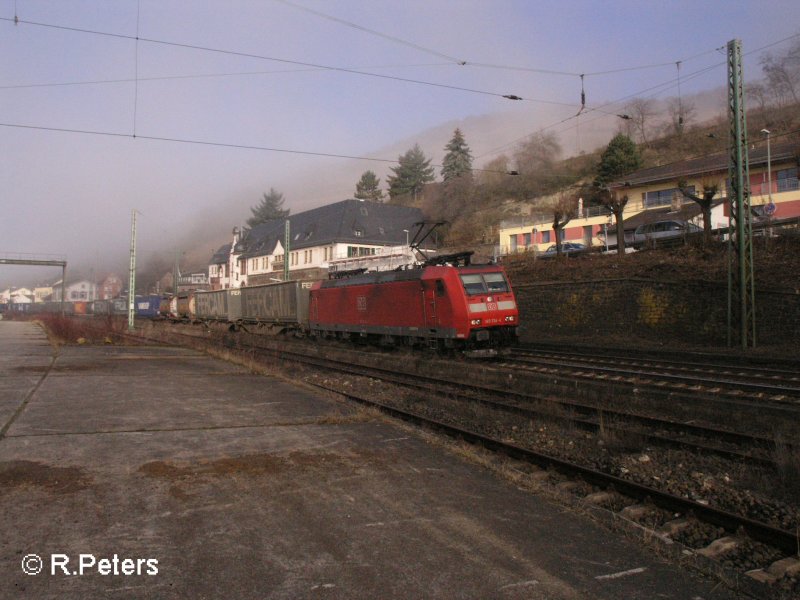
(657, 188)
(653, 195)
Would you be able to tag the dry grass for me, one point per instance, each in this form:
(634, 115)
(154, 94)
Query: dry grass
(80, 330)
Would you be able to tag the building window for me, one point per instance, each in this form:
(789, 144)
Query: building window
(663, 197)
(358, 233)
(787, 179)
(546, 237)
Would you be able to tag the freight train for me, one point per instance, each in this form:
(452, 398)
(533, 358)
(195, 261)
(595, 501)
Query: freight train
(446, 303)
(467, 308)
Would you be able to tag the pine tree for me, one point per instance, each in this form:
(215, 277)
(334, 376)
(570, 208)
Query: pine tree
(458, 160)
(270, 208)
(368, 187)
(411, 174)
(620, 157)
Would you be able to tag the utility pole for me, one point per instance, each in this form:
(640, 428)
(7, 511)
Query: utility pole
(286, 243)
(132, 273)
(63, 288)
(741, 285)
(176, 272)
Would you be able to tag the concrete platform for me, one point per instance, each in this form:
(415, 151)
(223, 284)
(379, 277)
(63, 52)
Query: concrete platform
(243, 486)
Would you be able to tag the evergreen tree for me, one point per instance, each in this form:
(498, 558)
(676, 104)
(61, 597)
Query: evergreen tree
(620, 157)
(411, 175)
(270, 208)
(368, 187)
(458, 160)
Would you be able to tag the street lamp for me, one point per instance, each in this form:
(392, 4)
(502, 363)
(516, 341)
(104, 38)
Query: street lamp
(406, 232)
(766, 132)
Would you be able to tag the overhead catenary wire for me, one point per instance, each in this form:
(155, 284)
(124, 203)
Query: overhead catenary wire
(136, 68)
(463, 62)
(600, 109)
(114, 134)
(324, 67)
(202, 76)
(274, 59)
(386, 36)
(364, 73)
(618, 101)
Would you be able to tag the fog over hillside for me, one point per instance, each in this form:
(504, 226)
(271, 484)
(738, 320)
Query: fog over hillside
(325, 180)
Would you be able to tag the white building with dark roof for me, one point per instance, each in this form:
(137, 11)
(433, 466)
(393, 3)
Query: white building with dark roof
(346, 229)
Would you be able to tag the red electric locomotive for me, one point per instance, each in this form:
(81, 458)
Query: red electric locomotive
(461, 307)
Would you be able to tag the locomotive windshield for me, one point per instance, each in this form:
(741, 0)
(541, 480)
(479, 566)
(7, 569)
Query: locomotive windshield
(484, 283)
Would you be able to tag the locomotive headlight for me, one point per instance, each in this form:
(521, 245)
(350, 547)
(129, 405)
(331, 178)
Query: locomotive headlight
(475, 322)
(510, 319)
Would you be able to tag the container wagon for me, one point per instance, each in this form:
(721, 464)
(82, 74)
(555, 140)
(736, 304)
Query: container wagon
(148, 307)
(219, 305)
(282, 305)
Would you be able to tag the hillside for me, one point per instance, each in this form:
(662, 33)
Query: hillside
(776, 265)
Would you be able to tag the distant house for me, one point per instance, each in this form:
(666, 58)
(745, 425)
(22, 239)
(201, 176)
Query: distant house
(76, 291)
(653, 195)
(21, 296)
(346, 229)
(42, 293)
(197, 280)
(657, 187)
(218, 268)
(110, 287)
(534, 232)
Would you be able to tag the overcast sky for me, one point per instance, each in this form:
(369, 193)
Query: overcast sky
(73, 66)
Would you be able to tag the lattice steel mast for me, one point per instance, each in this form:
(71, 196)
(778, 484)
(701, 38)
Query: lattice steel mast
(132, 274)
(741, 286)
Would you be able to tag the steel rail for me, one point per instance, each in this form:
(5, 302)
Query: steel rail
(762, 532)
(584, 409)
(739, 371)
(586, 425)
(784, 540)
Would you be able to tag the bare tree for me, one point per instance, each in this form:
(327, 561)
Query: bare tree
(564, 208)
(710, 189)
(681, 114)
(758, 94)
(641, 112)
(535, 161)
(783, 74)
(616, 203)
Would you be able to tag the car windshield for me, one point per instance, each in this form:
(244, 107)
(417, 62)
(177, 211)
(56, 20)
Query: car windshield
(477, 283)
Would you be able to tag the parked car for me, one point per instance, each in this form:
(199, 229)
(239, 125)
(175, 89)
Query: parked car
(660, 230)
(567, 248)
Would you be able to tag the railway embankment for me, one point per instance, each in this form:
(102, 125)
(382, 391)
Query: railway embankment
(658, 297)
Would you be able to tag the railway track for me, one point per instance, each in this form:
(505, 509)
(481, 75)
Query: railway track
(657, 432)
(786, 541)
(728, 444)
(751, 384)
